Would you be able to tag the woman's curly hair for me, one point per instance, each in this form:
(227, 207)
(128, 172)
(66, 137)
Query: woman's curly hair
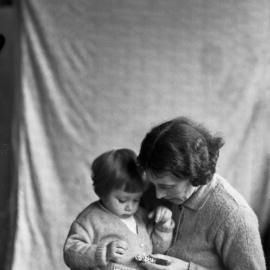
(181, 147)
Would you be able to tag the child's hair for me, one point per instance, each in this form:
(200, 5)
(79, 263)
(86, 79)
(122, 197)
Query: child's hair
(117, 169)
(183, 148)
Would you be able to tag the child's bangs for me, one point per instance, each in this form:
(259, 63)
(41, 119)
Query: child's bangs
(133, 186)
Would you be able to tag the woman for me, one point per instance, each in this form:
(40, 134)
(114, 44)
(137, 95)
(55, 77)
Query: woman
(215, 227)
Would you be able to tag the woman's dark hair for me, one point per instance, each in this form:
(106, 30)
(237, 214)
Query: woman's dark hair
(117, 169)
(183, 148)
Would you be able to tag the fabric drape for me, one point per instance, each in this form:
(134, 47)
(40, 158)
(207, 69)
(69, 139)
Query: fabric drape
(97, 75)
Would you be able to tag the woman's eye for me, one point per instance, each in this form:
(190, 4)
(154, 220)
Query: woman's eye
(166, 187)
(121, 201)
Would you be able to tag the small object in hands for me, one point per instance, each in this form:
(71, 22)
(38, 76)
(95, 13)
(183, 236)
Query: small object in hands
(148, 258)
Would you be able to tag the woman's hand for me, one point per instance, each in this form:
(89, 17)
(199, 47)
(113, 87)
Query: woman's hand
(161, 215)
(173, 263)
(116, 250)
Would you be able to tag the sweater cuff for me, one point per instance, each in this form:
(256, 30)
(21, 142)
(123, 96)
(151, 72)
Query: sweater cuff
(193, 266)
(101, 254)
(166, 228)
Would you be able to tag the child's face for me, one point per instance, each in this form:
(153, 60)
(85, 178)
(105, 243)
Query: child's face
(121, 203)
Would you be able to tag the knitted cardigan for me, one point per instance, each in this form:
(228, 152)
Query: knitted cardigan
(216, 229)
(96, 227)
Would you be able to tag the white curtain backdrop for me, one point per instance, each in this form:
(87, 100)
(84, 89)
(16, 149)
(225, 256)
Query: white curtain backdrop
(98, 74)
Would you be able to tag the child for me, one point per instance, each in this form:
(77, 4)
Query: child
(110, 232)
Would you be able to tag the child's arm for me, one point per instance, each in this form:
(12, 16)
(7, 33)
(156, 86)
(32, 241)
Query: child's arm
(80, 252)
(162, 231)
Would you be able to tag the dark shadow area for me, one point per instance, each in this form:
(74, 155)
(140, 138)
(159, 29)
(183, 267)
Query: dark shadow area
(266, 245)
(7, 91)
(6, 2)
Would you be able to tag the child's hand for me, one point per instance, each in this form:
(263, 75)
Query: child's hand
(116, 249)
(162, 215)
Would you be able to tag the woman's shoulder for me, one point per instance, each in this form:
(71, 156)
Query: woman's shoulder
(227, 211)
(229, 203)
(228, 195)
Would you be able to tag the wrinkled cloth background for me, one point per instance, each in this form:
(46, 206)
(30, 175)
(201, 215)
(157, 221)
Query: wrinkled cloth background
(97, 75)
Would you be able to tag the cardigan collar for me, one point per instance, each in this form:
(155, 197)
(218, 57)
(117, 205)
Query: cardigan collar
(200, 196)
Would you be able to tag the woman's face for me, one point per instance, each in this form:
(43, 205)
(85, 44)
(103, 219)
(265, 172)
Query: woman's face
(171, 188)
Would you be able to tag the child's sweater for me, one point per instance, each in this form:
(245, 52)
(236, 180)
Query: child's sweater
(96, 227)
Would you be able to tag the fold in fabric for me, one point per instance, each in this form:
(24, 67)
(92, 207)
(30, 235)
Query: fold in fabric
(97, 75)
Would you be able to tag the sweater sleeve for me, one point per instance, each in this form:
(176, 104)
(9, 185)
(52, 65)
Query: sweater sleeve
(193, 266)
(238, 241)
(80, 252)
(162, 237)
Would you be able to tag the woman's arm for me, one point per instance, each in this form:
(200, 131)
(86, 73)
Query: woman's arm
(162, 233)
(238, 242)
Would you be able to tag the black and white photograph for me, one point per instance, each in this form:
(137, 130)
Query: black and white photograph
(134, 135)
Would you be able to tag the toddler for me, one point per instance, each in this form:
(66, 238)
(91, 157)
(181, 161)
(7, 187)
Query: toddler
(110, 232)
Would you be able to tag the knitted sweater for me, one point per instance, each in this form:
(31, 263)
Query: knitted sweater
(96, 227)
(216, 229)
